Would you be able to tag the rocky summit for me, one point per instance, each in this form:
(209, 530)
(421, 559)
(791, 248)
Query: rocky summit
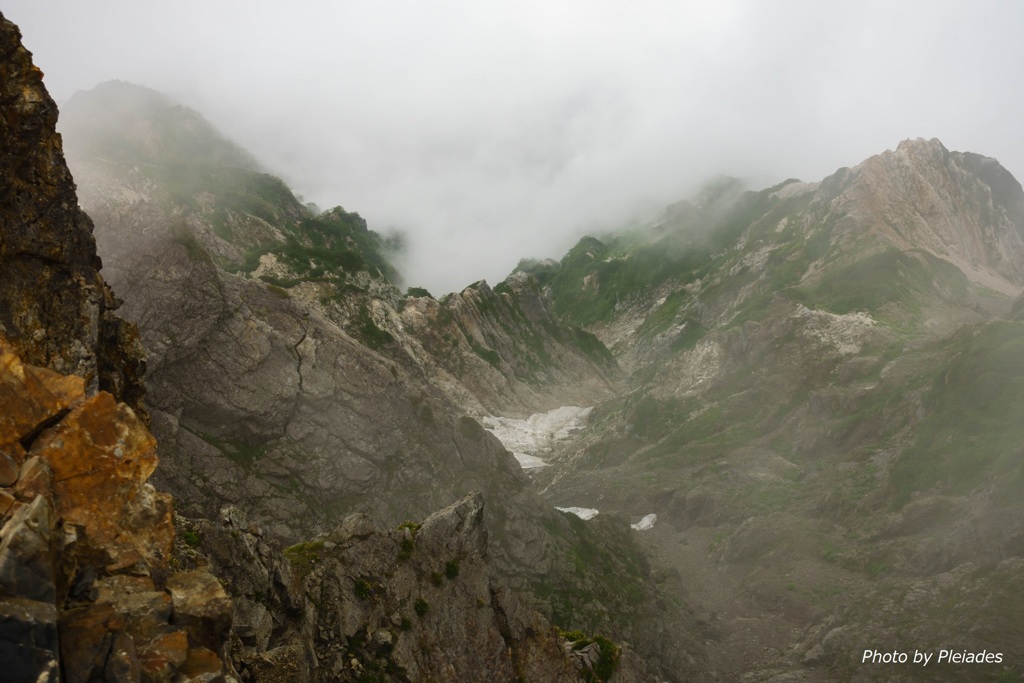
(770, 435)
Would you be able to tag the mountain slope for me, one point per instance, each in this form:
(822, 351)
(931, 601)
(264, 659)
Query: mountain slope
(291, 378)
(273, 333)
(821, 407)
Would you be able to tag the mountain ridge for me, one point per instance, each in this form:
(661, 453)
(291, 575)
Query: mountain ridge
(798, 402)
(778, 393)
(291, 379)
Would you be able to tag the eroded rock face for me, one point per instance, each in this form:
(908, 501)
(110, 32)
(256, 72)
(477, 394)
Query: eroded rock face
(46, 246)
(100, 456)
(502, 351)
(961, 207)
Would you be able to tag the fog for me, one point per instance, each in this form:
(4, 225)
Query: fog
(490, 133)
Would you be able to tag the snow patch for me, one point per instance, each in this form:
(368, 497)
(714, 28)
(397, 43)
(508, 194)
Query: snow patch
(536, 436)
(646, 523)
(582, 513)
(529, 462)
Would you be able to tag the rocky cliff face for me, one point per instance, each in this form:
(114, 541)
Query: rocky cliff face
(86, 588)
(87, 591)
(279, 358)
(963, 208)
(55, 308)
(503, 352)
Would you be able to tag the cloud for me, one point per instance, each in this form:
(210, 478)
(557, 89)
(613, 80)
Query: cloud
(490, 132)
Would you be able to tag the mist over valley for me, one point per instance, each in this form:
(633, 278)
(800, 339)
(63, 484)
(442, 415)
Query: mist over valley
(491, 369)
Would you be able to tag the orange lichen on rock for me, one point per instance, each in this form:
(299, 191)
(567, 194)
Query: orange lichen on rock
(29, 398)
(80, 463)
(101, 455)
(90, 456)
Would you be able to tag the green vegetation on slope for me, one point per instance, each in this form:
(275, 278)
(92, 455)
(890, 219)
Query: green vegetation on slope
(226, 189)
(336, 242)
(888, 277)
(608, 661)
(973, 426)
(594, 277)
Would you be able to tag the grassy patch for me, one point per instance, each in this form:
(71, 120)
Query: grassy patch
(972, 429)
(408, 543)
(364, 590)
(888, 277)
(302, 556)
(334, 245)
(664, 315)
(610, 653)
(490, 355)
(368, 332)
(591, 346)
(594, 277)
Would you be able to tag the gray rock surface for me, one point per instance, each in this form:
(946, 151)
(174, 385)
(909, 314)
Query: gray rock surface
(27, 557)
(415, 603)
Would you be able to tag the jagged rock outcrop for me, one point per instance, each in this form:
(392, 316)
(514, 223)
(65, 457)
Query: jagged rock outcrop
(85, 585)
(414, 603)
(55, 309)
(502, 351)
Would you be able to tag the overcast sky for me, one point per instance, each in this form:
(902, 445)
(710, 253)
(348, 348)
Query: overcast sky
(491, 131)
